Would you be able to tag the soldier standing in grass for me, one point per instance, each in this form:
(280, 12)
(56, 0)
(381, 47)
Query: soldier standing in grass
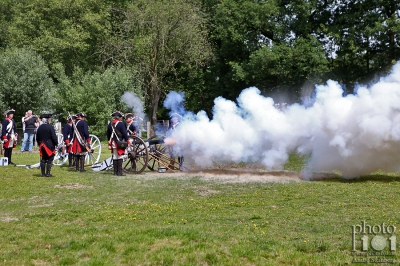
(80, 142)
(9, 134)
(47, 141)
(116, 131)
(68, 133)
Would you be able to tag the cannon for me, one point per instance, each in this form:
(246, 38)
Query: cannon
(141, 154)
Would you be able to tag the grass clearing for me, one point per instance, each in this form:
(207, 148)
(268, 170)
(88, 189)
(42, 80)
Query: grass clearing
(186, 219)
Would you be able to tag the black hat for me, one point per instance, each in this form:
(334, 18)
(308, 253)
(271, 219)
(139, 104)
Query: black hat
(129, 115)
(46, 116)
(11, 111)
(71, 117)
(117, 113)
(80, 114)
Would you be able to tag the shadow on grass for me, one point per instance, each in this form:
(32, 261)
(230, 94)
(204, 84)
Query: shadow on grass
(385, 178)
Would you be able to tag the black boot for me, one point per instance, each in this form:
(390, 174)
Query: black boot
(8, 153)
(115, 166)
(77, 160)
(43, 167)
(120, 173)
(180, 161)
(48, 169)
(82, 163)
(69, 159)
(73, 160)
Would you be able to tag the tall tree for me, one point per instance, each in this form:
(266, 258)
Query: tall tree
(97, 94)
(25, 82)
(66, 32)
(157, 37)
(361, 38)
(238, 29)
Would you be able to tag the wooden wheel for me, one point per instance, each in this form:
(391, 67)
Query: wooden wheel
(93, 157)
(138, 156)
(161, 155)
(61, 155)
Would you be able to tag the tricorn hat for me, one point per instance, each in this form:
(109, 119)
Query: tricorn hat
(46, 116)
(80, 114)
(11, 111)
(71, 117)
(117, 113)
(129, 115)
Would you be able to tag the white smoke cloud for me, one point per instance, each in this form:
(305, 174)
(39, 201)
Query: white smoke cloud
(356, 134)
(174, 102)
(133, 102)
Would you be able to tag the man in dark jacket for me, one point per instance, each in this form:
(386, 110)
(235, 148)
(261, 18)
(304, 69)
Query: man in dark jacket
(116, 131)
(131, 128)
(47, 141)
(68, 133)
(80, 142)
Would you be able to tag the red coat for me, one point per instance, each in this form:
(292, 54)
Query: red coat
(8, 131)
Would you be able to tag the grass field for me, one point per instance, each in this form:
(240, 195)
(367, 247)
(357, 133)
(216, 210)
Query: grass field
(149, 219)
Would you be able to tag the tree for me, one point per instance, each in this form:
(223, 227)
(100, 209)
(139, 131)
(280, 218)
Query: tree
(25, 82)
(66, 32)
(360, 38)
(238, 29)
(285, 68)
(97, 94)
(157, 37)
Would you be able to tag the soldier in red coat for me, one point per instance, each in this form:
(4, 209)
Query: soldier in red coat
(47, 140)
(68, 133)
(9, 134)
(80, 142)
(116, 131)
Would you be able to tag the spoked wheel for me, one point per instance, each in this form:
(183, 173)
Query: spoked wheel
(93, 157)
(138, 156)
(160, 156)
(61, 156)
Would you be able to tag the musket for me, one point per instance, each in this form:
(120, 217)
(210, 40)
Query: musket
(79, 137)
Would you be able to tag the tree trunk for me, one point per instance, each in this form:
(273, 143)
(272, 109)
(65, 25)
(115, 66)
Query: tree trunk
(155, 98)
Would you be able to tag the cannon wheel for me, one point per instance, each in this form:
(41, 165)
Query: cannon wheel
(60, 158)
(95, 144)
(159, 155)
(138, 156)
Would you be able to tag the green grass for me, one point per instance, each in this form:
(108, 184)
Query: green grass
(99, 219)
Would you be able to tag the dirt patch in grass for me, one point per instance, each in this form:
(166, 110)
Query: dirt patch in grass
(244, 173)
(204, 191)
(73, 186)
(233, 175)
(8, 219)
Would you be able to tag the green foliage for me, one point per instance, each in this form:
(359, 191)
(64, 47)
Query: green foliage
(25, 82)
(62, 32)
(209, 48)
(157, 37)
(96, 94)
(271, 67)
(238, 28)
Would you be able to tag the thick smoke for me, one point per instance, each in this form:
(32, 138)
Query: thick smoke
(174, 102)
(355, 134)
(133, 102)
